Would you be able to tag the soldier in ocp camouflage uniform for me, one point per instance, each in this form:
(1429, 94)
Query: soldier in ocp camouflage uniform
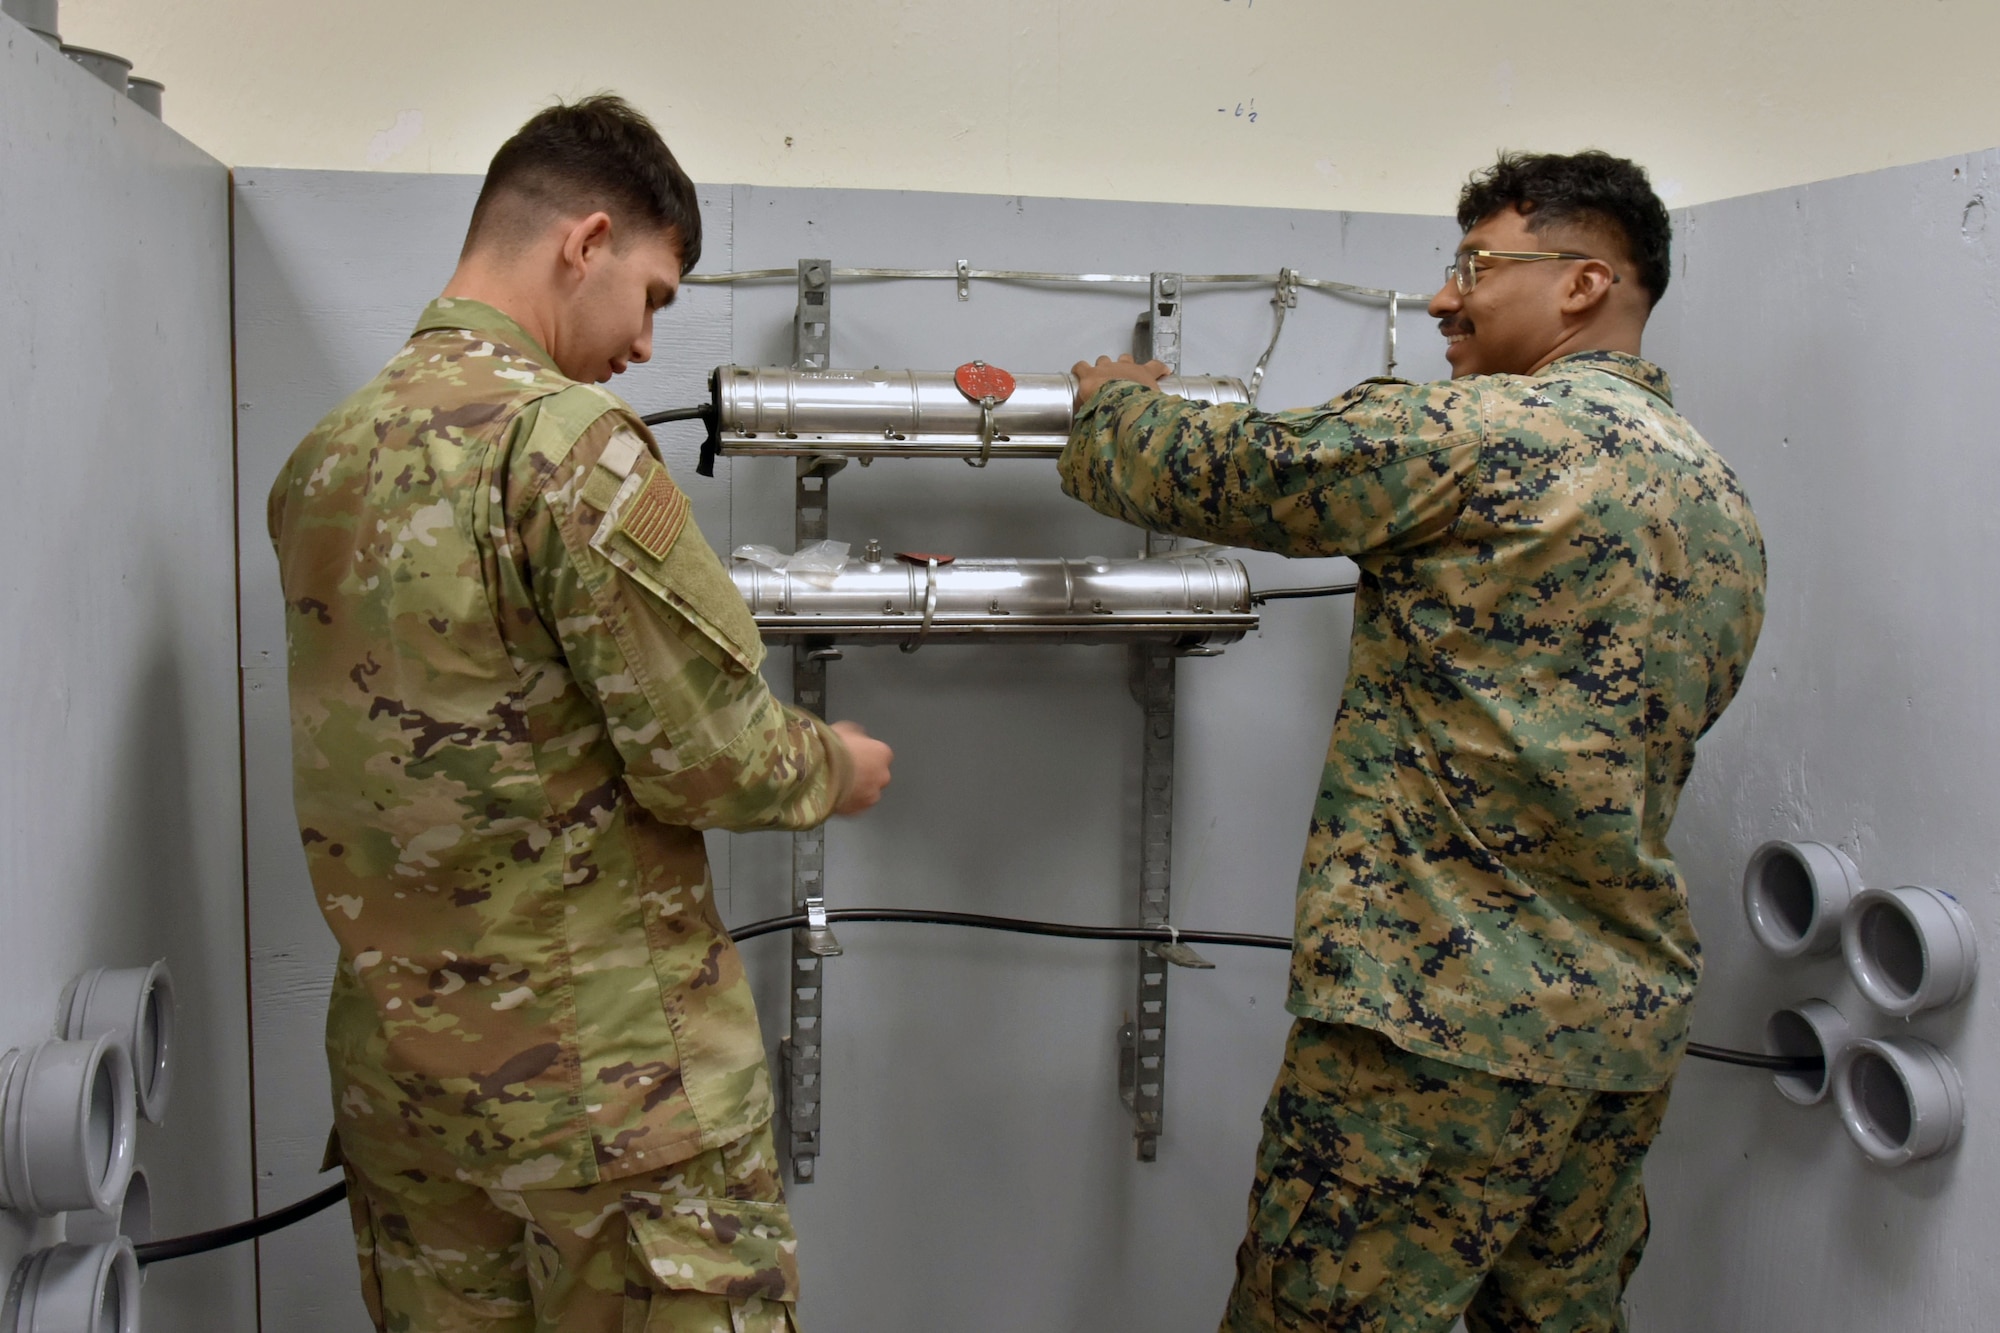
(1561, 585)
(521, 686)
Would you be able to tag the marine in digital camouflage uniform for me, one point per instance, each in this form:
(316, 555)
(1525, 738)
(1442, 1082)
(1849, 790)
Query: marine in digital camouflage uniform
(521, 686)
(1561, 585)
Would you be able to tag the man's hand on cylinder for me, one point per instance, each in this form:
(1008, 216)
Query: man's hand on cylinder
(1090, 378)
(871, 768)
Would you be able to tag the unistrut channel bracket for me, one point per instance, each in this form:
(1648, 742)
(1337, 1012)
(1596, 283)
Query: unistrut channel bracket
(1143, 1038)
(802, 1060)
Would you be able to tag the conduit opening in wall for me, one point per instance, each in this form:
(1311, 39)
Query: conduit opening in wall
(1881, 1102)
(1910, 949)
(1809, 1030)
(1898, 953)
(136, 1006)
(67, 1126)
(1795, 895)
(132, 1218)
(74, 1289)
(1788, 889)
(1900, 1098)
(102, 1133)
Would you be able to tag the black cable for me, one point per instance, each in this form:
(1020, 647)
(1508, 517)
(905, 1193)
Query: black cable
(1015, 926)
(1783, 1064)
(701, 412)
(1286, 594)
(201, 1242)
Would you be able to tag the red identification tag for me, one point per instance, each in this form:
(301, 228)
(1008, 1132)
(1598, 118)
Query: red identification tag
(924, 557)
(977, 380)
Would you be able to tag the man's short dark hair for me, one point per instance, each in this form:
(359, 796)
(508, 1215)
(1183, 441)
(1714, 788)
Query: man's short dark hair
(577, 158)
(1590, 189)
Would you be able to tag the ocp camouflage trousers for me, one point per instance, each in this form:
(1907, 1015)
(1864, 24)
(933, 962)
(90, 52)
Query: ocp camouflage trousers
(1395, 1192)
(703, 1246)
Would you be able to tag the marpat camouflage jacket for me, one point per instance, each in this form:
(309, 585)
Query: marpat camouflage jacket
(1561, 585)
(521, 686)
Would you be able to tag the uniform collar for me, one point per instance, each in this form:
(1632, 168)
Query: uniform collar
(455, 312)
(1622, 364)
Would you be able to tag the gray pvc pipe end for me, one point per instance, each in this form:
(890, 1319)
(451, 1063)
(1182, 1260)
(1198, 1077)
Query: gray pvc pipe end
(38, 15)
(110, 69)
(1900, 1099)
(68, 1127)
(132, 1218)
(75, 1289)
(1796, 894)
(1910, 949)
(135, 1005)
(150, 94)
(1809, 1029)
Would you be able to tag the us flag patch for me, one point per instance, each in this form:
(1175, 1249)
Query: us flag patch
(654, 517)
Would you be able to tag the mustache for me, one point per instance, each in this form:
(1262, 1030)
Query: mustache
(1454, 324)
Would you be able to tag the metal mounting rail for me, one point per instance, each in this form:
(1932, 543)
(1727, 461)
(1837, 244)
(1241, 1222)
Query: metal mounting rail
(1142, 1039)
(963, 274)
(803, 1047)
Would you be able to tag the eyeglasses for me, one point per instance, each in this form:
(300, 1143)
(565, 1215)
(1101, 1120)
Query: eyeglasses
(1464, 267)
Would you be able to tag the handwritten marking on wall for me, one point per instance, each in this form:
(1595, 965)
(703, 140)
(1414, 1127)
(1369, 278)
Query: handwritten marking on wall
(1243, 111)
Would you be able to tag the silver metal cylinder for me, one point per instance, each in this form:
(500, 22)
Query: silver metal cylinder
(907, 413)
(1190, 601)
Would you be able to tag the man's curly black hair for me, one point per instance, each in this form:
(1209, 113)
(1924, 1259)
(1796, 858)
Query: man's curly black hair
(1589, 189)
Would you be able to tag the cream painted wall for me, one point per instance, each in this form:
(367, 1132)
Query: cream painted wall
(1367, 106)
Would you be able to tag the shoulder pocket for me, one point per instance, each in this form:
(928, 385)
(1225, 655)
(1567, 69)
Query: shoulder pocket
(737, 1249)
(648, 533)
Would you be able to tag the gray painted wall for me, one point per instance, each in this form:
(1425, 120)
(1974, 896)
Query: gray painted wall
(120, 837)
(1833, 341)
(973, 1132)
(1839, 343)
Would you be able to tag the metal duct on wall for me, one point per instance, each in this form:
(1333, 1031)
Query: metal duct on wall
(910, 413)
(1191, 601)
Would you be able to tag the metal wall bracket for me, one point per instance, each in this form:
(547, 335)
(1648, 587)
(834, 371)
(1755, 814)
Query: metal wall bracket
(1142, 1040)
(812, 328)
(1157, 336)
(812, 332)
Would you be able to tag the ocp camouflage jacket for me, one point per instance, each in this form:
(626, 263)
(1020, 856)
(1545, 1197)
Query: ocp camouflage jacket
(521, 686)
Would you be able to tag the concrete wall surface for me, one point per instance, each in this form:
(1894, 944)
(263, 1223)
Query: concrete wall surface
(120, 824)
(973, 1130)
(1839, 344)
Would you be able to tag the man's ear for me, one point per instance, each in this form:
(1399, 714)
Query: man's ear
(1589, 288)
(585, 239)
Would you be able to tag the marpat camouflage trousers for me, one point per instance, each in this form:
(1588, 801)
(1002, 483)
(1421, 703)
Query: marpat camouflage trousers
(703, 1246)
(1395, 1192)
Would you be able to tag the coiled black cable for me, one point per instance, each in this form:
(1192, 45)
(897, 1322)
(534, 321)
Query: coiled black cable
(202, 1242)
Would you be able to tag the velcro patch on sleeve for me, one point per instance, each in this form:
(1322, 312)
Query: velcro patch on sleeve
(655, 516)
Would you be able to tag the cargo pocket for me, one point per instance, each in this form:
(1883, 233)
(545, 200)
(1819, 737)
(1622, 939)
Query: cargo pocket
(1333, 1202)
(741, 1254)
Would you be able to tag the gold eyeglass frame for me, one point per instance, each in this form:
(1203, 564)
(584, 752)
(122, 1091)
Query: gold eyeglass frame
(1464, 272)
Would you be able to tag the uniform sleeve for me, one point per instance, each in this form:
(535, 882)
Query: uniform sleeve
(655, 633)
(1386, 466)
